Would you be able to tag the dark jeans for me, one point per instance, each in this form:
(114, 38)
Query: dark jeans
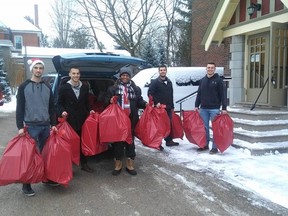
(83, 158)
(40, 134)
(120, 147)
(169, 137)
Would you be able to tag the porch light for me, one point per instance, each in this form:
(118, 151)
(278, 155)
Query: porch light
(252, 8)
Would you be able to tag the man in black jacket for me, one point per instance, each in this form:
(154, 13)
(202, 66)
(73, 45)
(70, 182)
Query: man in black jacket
(74, 105)
(161, 90)
(211, 95)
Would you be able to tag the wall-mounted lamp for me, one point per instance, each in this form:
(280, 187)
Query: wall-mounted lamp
(252, 8)
(273, 80)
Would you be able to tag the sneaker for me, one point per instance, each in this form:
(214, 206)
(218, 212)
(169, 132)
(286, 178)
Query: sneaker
(213, 151)
(172, 143)
(86, 168)
(52, 183)
(161, 148)
(203, 149)
(27, 190)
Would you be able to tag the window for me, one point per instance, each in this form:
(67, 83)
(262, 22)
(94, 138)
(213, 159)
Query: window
(257, 61)
(18, 42)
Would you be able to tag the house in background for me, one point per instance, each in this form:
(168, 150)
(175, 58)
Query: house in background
(21, 32)
(16, 34)
(259, 49)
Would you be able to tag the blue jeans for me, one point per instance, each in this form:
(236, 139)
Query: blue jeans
(39, 134)
(208, 115)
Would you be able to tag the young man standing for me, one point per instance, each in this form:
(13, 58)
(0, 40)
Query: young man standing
(74, 105)
(211, 95)
(35, 110)
(161, 90)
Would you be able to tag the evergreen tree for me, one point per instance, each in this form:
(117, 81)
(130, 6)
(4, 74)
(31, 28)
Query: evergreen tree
(162, 54)
(81, 39)
(183, 54)
(44, 40)
(149, 52)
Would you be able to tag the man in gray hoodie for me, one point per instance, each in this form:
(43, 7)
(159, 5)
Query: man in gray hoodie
(35, 110)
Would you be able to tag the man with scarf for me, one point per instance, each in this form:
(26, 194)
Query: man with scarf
(130, 100)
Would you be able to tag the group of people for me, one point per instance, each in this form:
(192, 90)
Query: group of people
(35, 108)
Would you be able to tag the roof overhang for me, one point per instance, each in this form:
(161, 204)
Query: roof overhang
(218, 30)
(6, 43)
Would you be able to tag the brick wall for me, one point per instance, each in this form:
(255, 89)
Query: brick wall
(30, 39)
(202, 12)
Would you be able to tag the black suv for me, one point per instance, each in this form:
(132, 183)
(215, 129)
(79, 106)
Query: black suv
(98, 70)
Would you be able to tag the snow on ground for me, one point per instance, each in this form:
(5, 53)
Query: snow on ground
(264, 175)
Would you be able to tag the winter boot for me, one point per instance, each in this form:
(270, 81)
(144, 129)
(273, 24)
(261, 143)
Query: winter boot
(118, 167)
(130, 167)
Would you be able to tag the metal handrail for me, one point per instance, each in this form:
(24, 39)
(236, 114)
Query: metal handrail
(184, 99)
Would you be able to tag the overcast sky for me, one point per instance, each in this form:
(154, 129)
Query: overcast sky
(22, 8)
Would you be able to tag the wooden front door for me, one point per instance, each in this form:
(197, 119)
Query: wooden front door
(278, 64)
(258, 71)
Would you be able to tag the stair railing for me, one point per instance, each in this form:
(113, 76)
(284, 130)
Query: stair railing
(188, 97)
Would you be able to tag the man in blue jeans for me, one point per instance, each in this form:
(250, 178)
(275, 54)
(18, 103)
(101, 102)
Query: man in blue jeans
(210, 97)
(35, 110)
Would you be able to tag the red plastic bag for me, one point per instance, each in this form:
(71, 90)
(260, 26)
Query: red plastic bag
(71, 137)
(194, 128)
(177, 128)
(114, 125)
(90, 136)
(21, 162)
(57, 159)
(153, 126)
(222, 126)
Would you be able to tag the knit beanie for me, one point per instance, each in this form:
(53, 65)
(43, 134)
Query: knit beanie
(33, 62)
(126, 70)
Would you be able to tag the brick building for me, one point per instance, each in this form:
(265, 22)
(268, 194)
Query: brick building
(202, 13)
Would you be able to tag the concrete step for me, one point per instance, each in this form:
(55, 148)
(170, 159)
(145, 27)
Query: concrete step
(258, 114)
(260, 125)
(261, 130)
(262, 148)
(261, 136)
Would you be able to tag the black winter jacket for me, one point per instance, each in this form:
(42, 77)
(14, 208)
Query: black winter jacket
(162, 92)
(211, 93)
(77, 109)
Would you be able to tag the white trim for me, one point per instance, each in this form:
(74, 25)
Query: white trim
(229, 6)
(254, 26)
(21, 38)
(223, 18)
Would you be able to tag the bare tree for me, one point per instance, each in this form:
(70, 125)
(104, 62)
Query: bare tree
(125, 21)
(62, 19)
(169, 10)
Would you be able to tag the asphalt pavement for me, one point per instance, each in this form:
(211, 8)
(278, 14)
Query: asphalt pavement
(159, 189)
